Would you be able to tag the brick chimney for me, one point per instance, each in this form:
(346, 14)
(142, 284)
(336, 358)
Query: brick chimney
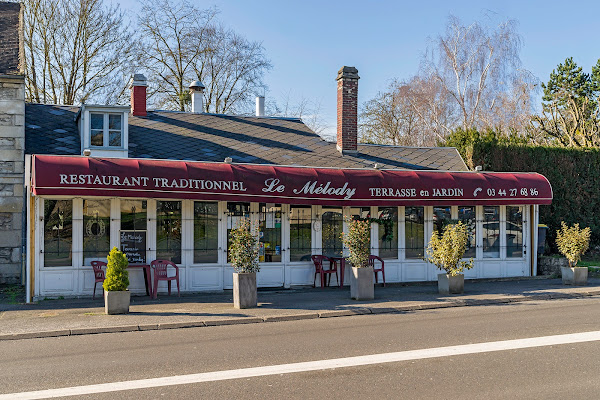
(347, 107)
(138, 95)
(11, 39)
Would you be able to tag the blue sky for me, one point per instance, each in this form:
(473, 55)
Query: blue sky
(308, 41)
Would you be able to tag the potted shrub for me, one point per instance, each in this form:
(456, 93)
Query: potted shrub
(445, 251)
(357, 240)
(116, 295)
(243, 253)
(573, 242)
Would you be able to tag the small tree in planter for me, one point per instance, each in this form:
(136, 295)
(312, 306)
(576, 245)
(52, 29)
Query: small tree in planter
(358, 242)
(445, 251)
(243, 253)
(573, 242)
(116, 295)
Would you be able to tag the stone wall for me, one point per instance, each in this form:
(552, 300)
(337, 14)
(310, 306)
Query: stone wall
(551, 265)
(12, 145)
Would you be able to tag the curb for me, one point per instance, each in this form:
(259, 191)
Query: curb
(297, 317)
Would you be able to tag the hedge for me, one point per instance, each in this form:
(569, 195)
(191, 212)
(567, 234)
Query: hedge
(573, 173)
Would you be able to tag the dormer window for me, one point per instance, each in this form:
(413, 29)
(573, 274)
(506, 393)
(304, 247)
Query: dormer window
(106, 130)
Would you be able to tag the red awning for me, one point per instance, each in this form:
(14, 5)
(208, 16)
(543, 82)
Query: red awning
(146, 178)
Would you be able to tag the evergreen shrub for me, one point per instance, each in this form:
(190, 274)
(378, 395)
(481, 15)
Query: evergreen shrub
(358, 242)
(244, 248)
(572, 242)
(446, 249)
(117, 276)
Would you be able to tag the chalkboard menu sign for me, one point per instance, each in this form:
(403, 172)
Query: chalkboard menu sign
(133, 245)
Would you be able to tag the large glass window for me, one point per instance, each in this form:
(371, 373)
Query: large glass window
(168, 231)
(514, 231)
(235, 212)
(269, 232)
(491, 232)
(96, 230)
(58, 233)
(441, 217)
(300, 233)
(466, 214)
(414, 231)
(332, 226)
(206, 222)
(388, 232)
(134, 215)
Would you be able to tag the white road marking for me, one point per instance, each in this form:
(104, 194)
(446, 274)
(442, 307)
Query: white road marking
(310, 366)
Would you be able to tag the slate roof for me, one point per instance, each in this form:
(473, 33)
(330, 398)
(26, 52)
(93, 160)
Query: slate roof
(209, 137)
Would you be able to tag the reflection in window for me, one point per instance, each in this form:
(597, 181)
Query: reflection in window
(414, 226)
(441, 217)
(58, 233)
(106, 130)
(514, 231)
(168, 231)
(388, 232)
(269, 232)
(491, 232)
(235, 213)
(360, 212)
(134, 215)
(96, 230)
(97, 129)
(300, 233)
(466, 214)
(206, 222)
(332, 226)
(114, 130)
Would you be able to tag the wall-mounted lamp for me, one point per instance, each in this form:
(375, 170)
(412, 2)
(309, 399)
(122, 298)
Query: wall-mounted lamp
(87, 152)
(478, 168)
(228, 160)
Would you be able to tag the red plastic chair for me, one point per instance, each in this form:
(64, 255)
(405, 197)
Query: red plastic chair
(372, 260)
(319, 269)
(160, 274)
(98, 275)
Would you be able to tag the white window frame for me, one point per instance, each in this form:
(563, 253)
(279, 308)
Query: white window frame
(106, 131)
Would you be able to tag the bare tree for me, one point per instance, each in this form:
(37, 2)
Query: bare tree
(182, 43)
(390, 118)
(75, 50)
(475, 65)
(470, 78)
(173, 39)
(232, 68)
(412, 113)
(309, 111)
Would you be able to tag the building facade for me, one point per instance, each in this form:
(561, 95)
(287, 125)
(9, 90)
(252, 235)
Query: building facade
(76, 181)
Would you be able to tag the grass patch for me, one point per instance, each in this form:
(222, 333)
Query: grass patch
(11, 294)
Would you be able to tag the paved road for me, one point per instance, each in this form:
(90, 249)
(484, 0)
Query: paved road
(539, 371)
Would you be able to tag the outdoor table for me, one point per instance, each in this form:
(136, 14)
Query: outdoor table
(147, 276)
(342, 266)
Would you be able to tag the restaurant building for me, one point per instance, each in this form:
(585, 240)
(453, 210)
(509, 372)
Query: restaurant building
(171, 185)
(76, 181)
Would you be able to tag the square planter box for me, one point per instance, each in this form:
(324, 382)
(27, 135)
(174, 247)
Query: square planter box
(574, 275)
(117, 302)
(448, 284)
(361, 284)
(244, 290)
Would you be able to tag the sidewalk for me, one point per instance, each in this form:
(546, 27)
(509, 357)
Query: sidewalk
(67, 317)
